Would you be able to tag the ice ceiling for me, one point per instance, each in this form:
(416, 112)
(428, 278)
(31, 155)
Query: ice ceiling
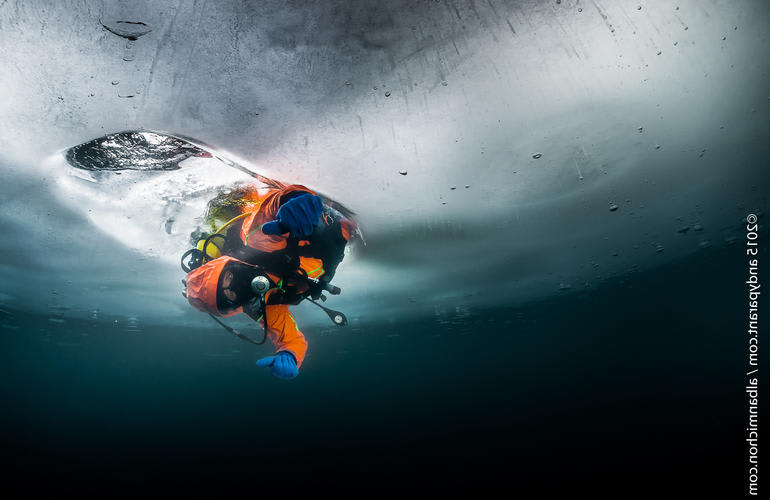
(495, 151)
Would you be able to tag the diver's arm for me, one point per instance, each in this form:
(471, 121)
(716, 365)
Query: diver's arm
(251, 230)
(282, 329)
(283, 332)
(288, 340)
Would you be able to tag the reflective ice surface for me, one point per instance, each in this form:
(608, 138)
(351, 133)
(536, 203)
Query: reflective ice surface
(495, 151)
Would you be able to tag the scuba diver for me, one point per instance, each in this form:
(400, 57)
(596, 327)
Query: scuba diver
(283, 248)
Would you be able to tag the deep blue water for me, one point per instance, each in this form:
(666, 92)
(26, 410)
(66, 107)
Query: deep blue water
(634, 386)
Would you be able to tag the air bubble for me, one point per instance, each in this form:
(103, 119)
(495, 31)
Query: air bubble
(402, 172)
(130, 30)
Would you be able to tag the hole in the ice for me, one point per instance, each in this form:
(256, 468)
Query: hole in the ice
(132, 150)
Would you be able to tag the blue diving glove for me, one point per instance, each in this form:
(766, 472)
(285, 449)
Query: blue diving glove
(298, 217)
(282, 364)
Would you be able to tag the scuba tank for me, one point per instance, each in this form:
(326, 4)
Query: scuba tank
(209, 247)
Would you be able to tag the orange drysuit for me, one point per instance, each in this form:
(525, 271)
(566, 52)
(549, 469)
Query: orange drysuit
(264, 208)
(282, 330)
(202, 282)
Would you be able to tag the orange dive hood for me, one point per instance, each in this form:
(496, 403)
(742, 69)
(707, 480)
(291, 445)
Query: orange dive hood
(202, 283)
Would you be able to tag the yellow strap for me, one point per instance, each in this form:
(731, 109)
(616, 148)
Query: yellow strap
(222, 228)
(233, 220)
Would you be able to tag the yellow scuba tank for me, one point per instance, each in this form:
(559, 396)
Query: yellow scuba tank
(213, 251)
(213, 242)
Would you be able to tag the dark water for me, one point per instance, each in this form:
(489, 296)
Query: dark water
(633, 387)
